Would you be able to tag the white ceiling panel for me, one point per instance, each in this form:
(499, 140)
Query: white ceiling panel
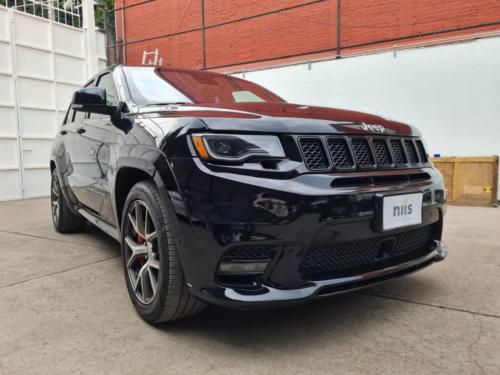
(34, 62)
(36, 152)
(5, 57)
(8, 124)
(37, 183)
(9, 188)
(38, 123)
(64, 95)
(35, 93)
(68, 41)
(8, 153)
(70, 69)
(7, 91)
(32, 31)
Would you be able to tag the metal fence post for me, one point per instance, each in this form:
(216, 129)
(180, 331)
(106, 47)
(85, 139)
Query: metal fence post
(203, 44)
(17, 111)
(90, 37)
(339, 29)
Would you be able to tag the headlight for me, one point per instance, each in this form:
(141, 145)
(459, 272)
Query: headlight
(237, 147)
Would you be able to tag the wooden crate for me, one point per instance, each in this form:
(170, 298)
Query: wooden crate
(470, 181)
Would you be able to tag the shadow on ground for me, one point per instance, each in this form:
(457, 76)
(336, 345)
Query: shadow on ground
(336, 315)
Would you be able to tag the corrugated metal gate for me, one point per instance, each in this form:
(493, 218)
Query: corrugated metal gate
(42, 62)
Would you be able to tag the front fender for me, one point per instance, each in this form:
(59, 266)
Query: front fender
(153, 162)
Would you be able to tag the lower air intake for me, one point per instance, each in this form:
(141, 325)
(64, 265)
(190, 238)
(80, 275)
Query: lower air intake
(340, 258)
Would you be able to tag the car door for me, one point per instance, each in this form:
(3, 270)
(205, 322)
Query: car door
(77, 164)
(82, 148)
(99, 136)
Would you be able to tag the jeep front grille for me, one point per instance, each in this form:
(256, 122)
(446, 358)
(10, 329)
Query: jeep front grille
(421, 151)
(325, 153)
(382, 152)
(362, 153)
(314, 153)
(411, 151)
(398, 151)
(339, 151)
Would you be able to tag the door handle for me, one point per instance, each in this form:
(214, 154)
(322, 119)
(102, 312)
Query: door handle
(80, 130)
(63, 132)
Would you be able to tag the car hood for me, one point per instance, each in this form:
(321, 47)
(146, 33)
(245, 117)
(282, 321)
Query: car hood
(284, 118)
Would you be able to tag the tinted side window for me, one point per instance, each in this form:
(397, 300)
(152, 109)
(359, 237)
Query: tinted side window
(71, 115)
(74, 116)
(106, 82)
(79, 116)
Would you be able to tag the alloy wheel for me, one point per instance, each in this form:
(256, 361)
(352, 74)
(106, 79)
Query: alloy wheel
(55, 197)
(142, 257)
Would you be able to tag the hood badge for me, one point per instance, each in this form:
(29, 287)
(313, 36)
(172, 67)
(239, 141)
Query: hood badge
(380, 129)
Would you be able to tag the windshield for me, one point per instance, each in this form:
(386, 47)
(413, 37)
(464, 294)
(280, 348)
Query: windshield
(149, 85)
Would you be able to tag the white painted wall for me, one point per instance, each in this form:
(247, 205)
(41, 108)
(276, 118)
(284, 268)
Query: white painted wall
(41, 64)
(450, 92)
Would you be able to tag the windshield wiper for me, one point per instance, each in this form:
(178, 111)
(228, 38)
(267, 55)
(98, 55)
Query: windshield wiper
(163, 103)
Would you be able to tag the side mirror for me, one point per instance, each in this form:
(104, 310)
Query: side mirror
(92, 99)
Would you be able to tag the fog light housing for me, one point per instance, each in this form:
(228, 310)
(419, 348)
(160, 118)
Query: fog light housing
(440, 196)
(243, 267)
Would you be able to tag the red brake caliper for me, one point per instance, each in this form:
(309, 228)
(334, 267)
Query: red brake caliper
(140, 241)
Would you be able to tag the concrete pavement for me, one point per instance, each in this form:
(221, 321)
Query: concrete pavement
(64, 309)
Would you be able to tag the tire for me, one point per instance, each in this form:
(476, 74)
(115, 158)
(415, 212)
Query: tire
(64, 220)
(150, 255)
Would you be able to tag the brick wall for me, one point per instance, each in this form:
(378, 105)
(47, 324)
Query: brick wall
(263, 32)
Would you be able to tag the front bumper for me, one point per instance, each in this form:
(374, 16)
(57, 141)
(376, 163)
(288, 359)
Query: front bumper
(271, 296)
(218, 211)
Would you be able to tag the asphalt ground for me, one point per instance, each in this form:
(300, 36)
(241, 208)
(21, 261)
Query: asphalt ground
(64, 309)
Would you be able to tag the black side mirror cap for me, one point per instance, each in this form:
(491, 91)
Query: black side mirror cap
(122, 122)
(91, 99)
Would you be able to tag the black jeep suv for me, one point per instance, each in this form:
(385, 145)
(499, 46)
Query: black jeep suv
(219, 191)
